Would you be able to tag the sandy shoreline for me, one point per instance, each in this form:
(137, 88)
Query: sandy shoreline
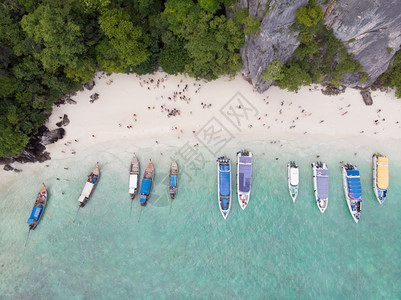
(136, 108)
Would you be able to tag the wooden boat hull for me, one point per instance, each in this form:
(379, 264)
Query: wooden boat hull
(173, 180)
(134, 178)
(89, 187)
(147, 182)
(38, 209)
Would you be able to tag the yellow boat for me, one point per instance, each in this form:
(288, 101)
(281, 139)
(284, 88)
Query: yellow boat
(380, 176)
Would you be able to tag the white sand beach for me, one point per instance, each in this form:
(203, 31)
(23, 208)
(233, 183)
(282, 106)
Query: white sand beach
(136, 108)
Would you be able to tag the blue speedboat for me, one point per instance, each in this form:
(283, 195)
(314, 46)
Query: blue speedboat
(146, 185)
(224, 185)
(353, 190)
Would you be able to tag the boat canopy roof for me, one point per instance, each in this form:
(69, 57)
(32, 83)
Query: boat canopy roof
(86, 191)
(322, 181)
(133, 181)
(352, 172)
(382, 173)
(173, 180)
(244, 180)
(294, 176)
(224, 167)
(225, 180)
(35, 213)
(245, 160)
(354, 187)
(145, 187)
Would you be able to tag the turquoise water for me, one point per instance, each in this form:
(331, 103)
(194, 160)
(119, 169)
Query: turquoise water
(186, 249)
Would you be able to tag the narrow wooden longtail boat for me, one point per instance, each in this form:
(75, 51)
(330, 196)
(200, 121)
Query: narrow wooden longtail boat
(38, 208)
(89, 187)
(173, 179)
(146, 185)
(133, 177)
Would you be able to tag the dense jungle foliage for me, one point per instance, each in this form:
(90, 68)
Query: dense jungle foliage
(51, 47)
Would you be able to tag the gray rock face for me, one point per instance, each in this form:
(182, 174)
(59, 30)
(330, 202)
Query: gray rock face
(367, 97)
(90, 85)
(52, 136)
(368, 28)
(66, 121)
(274, 41)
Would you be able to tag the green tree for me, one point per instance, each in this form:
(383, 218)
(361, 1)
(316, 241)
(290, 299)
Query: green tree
(310, 15)
(128, 41)
(273, 71)
(56, 33)
(213, 45)
(210, 5)
(12, 140)
(173, 58)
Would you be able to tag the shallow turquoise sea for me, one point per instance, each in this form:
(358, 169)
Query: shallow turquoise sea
(185, 249)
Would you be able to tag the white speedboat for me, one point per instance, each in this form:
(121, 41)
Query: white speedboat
(353, 190)
(321, 185)
(224, 185)
(293, 180)
(244, 174)
(380, 176)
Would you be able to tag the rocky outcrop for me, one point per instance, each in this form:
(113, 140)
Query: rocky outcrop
(367, 97)
(370, 30)
(51, 136)
(35, 150)
(274, 41)
(93, 97)
(90, 85)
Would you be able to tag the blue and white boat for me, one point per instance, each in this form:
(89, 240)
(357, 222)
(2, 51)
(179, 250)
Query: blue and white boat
(321, 185)
(173, 180)
(380, 176)
(244, 174)
(38, 208)
(146, 185)
(224, 185)
(353, 190)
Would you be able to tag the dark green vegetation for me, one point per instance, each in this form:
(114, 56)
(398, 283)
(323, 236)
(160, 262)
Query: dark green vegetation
(319, 58)
(392, 77)
(51, 47)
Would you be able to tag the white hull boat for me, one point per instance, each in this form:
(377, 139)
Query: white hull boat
(380, 176)
(321, 185)
(353, 190)
(293, 180)
(244, 174)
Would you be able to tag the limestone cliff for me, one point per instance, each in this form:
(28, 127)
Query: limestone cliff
(274, 41)
(369, 29)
